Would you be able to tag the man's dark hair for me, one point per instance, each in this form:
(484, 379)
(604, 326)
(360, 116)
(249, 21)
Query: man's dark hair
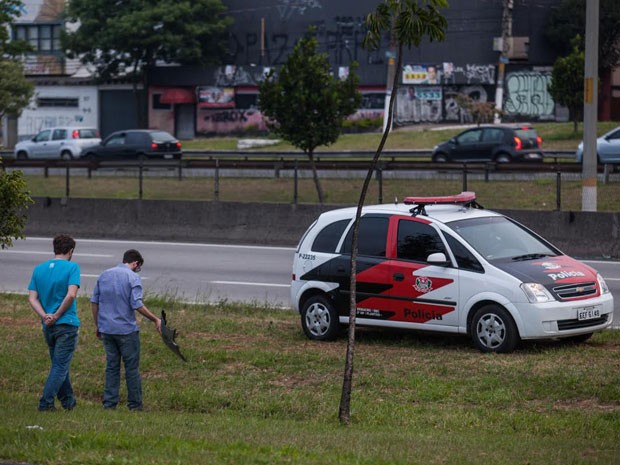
(132, 255)
(63, 244)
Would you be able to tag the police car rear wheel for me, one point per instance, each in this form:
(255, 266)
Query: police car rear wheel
(319, 319)
(493, 330)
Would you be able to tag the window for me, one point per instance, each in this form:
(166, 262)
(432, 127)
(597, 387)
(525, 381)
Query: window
(470, 137)
(416, 241)
(43, 136)
(327, 240)
(59, 134)
(372, 237)
(41, 37)
(118, 139)
(73, 102)
(464, 258)
(157, 105)
(246, 101)
(492, 135)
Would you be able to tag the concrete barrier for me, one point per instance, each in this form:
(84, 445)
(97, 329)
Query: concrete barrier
(581, 234)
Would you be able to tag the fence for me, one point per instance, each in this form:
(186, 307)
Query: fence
(558, 165)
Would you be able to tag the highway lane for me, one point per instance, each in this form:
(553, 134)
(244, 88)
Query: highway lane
(191, 272)
(196, 272)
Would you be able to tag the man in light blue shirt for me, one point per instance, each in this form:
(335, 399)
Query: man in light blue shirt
(51, 294)
(116, 299)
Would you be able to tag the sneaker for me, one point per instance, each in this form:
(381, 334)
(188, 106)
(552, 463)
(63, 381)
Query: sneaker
(48, 408)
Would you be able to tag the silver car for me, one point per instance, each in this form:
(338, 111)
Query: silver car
(61, 142)
(607, 148)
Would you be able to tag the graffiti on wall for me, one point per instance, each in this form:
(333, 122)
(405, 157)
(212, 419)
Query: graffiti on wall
(452, 111)
(417, 104)
(223, 121)
(341, 37)
(288, 8)
(468, 74)
(527, 94)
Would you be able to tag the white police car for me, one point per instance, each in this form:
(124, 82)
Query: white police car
(445, 264)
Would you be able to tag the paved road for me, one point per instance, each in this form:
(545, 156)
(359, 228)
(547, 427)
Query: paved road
(192, 272)
(196, 272)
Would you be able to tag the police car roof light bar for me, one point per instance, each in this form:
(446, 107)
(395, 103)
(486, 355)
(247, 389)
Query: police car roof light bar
(467, 199)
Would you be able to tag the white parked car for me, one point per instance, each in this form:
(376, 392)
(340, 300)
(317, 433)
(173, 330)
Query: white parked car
(445, 264)
(61, 142)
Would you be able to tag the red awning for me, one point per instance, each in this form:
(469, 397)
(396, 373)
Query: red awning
(177, 95)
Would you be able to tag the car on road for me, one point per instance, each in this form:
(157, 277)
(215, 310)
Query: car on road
(135, 144)
(501, 144)
(447, 265)
(607, 148)
(60, 142)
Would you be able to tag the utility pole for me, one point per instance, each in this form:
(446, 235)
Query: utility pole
(590, 109)
(503, 58)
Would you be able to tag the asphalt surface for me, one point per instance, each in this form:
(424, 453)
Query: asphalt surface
(197, 272)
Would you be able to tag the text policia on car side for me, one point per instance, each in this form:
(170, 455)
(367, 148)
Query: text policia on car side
(445, 264)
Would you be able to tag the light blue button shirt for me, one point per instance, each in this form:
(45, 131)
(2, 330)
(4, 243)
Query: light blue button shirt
(119, 294)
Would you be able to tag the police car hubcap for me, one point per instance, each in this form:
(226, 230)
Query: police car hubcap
(491, 331)
(317, 319)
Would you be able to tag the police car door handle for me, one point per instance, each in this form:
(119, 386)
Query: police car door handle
(399, 277)
(341, 269)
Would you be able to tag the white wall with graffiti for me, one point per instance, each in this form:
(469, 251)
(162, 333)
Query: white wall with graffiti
(59, 106)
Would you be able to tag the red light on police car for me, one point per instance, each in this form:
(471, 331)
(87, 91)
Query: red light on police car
(75, 134)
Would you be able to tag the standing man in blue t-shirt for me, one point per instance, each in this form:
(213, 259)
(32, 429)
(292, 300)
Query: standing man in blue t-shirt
(52, 292)
(116, 299)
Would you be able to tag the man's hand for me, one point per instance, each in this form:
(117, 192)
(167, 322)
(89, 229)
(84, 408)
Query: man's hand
(50, 319)
(158, 324)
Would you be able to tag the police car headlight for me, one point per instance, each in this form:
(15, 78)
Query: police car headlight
(602, 284)
(536, 293)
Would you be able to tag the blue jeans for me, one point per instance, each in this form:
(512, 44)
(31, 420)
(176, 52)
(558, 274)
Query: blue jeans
(61, 341)
(127, 348)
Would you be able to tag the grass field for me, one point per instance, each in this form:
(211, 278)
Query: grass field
(524, 195)
(256, 391)
(556, 136)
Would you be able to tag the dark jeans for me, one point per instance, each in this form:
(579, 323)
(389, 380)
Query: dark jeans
(61, 341)
(127, 348)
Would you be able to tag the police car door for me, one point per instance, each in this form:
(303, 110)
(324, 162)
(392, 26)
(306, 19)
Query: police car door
(425, 295)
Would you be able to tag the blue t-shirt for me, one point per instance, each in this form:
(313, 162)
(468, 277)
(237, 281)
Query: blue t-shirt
(118, 293)
(51, 280)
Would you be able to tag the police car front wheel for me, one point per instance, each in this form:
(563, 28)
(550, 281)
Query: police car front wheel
(493, 330)
(319, 318)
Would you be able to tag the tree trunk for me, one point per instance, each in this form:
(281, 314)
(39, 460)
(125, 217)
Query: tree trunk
(344, 412)
(315, 176)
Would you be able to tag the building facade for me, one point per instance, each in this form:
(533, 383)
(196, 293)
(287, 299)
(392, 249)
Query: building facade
(190, 100)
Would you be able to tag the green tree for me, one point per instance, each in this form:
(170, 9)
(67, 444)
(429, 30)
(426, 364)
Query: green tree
(566, 86)
(129, 37)
(14, 200)
(15, 89)
(408, 22)
(9, 10)
(304, 104)
(568, 19)
(481, 112)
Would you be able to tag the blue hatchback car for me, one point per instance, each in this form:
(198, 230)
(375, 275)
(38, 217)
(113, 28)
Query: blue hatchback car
(607, 148)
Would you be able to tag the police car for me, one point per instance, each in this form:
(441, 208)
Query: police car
(445, 264)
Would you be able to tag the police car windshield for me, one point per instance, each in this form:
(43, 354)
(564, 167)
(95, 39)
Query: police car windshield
(497, 238)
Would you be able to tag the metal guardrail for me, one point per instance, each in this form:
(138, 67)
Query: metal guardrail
(297, 161)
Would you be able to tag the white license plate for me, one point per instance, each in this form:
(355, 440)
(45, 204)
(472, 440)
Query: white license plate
(168, 155)
(588, 313)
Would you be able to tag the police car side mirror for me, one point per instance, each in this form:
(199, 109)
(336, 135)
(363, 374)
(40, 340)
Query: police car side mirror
(438, 258)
